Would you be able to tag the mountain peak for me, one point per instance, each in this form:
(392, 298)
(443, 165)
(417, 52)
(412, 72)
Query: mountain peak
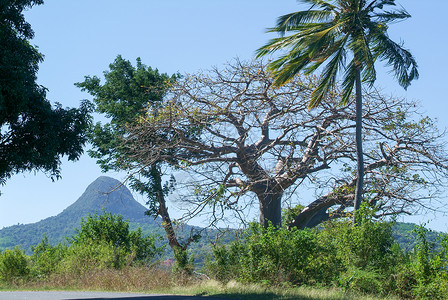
(107, 194)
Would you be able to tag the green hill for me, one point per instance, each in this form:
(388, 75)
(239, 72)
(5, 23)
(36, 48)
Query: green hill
(407, 238)
(104, 193)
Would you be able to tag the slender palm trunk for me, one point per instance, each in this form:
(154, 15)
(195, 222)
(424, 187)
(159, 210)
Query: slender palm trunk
(358, 140)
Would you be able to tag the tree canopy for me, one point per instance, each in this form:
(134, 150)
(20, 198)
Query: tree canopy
(125, 97)
(259, 141)
(345, 36)
(34, 134)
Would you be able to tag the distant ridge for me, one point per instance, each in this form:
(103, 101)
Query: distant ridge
(104, 194)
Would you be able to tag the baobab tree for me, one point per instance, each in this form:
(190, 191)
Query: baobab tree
(241, 138)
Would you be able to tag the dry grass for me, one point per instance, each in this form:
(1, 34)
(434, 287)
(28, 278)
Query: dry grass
(127, 279)
(158, 280)
(238, 290)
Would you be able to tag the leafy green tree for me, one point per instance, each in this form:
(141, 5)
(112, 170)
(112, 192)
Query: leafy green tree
(114, 231)
(335, 35)
(123, 98)
(34, 135)
(126, 96)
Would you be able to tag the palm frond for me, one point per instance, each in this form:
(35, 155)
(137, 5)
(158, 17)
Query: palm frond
(317, 61)
(328, 77)
(381, 3)
(363, 54)
(273, 45)
(403, 63)
(320, 3)
(349, 82)
(325, 46)
(360, 46)
(306, 36)
(288, 66)
(322, 35)
(290, 21)
(369, 74)
(392, 16)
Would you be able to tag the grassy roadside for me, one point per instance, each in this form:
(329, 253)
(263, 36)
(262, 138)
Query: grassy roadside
(234, 290)
(159, 281)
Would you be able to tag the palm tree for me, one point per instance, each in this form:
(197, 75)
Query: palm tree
(337, 36)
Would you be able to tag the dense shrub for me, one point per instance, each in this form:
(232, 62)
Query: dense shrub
(275, 256)
(46, 258)
(102, 242)
(183, 265)
(428, 267)
(112, 230)
(111, 234)
(281, 255)
(13, 264)
(363, 258)
(368, 244)
(225, 264)
(93, 255)
(362, 280)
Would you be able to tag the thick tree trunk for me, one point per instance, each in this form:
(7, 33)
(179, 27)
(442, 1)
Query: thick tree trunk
(270, 208)
(313, 214)
(359, 152)
(316, 212)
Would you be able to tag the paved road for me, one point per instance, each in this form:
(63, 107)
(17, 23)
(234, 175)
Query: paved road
(54, 295)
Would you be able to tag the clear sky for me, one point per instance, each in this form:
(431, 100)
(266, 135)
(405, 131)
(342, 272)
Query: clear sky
(82, 37)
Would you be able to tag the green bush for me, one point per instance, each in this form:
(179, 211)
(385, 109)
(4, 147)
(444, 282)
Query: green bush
(361, 258)
(108, 230)
(93, 255)
(144, 247)
(102, 242)
(368, 244)
(13, 264)
(225, 264)
(429, 266)
(278, 255)
(275, 256)
(367, 281)
(46, 258)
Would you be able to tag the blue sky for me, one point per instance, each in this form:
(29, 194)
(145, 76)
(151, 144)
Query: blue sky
(82, 37)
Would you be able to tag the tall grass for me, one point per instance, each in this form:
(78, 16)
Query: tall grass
(162, 281)
(129, 279)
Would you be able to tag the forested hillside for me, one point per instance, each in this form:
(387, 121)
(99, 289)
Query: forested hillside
(104, 194)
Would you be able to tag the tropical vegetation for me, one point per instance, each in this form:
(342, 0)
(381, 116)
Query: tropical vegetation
(345, 36)
(330, 257)
(228, 140)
